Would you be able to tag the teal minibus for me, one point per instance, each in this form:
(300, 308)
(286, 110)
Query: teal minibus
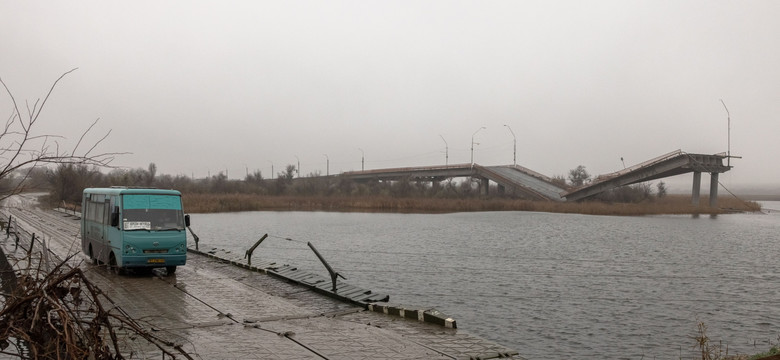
(134, 228)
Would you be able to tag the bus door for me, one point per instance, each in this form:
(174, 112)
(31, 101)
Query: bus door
(111, 233)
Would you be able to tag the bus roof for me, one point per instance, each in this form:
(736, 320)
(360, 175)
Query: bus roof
(120, 190)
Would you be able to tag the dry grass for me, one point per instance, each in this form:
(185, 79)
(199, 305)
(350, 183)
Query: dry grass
(210, 203)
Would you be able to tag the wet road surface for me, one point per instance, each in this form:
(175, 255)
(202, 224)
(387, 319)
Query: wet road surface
(214, 310)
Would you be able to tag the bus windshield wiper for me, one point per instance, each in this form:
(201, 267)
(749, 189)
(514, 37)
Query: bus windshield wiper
(170, 229)
(148, 230)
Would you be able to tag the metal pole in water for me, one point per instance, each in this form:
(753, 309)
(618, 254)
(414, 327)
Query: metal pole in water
(194, 237)
(333, 274)
(249, 252)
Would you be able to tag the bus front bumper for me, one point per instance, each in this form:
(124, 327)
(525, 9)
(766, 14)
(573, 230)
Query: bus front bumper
(153, 261)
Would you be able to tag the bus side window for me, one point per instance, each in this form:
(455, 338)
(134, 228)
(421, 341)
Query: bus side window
(85, 208)
(106, 215)
(114, 222)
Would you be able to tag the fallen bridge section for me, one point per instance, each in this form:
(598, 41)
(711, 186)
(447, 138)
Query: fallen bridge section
(518, 179)
(674, 163)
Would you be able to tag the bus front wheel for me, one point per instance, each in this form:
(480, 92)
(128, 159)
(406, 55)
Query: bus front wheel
(170, 269)
(112, 265)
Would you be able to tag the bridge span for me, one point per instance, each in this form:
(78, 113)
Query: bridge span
(528, 183)
(512, 178)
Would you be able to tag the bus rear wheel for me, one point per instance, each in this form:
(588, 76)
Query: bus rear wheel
(112, 265)
(92, 256)
(170, 269)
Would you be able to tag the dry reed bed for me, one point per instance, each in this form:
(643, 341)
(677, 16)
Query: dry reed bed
(210, 203)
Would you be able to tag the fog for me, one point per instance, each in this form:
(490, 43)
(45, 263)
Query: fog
(200, 88)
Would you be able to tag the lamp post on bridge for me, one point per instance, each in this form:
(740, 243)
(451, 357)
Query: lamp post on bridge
(327, 165)
(514, 147)
(362, 160)
(298, 169)
(472, 144)
(446, 152)
(272, 169)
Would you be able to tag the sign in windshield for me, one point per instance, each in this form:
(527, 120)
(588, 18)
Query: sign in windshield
(138, 225)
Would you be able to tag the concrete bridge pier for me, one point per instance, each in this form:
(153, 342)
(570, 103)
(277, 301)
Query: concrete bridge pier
(713, 190)
(697, 189)
(484, 186)
(436, 184)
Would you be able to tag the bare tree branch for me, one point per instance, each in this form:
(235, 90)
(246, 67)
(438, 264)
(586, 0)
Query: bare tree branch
(82, 137)
(35, 115)
(20, 148)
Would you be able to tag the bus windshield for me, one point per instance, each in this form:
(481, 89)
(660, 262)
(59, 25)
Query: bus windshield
(153, 219)
(152, 212)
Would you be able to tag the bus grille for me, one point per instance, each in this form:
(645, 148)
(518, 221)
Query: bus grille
(156, 251)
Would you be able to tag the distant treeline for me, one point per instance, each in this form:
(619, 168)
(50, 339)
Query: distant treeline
(66, 182)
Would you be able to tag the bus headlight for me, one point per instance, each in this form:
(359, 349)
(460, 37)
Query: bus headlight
(182, 248)
(129, 249)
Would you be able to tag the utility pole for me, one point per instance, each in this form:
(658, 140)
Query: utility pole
(514, 148)
(728, 149)
(472, 144)
(446, 152)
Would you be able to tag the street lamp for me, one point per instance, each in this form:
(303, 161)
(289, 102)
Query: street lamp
(446, 152)
(272, 169)
(728, 148)
(327, 165)
(362, 160)
(472, 144)
(514, 149)
(298, 169)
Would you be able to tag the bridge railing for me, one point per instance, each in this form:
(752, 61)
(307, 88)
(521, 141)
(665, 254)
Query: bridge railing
(641, 165)
(408, 169)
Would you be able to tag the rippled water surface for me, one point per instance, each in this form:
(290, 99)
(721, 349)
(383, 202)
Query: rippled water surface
(548, 285)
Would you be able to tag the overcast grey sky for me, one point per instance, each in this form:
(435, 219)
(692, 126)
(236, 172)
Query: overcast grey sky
(201, 87)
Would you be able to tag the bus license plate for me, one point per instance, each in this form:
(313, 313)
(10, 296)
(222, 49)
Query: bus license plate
(155, 261)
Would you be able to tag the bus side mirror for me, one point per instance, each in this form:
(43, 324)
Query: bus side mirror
(187, 220)
(115, 217)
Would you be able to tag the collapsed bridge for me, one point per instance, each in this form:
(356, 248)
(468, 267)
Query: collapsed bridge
(528, 183)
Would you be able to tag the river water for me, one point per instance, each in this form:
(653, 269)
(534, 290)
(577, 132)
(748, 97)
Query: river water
(551, 286)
